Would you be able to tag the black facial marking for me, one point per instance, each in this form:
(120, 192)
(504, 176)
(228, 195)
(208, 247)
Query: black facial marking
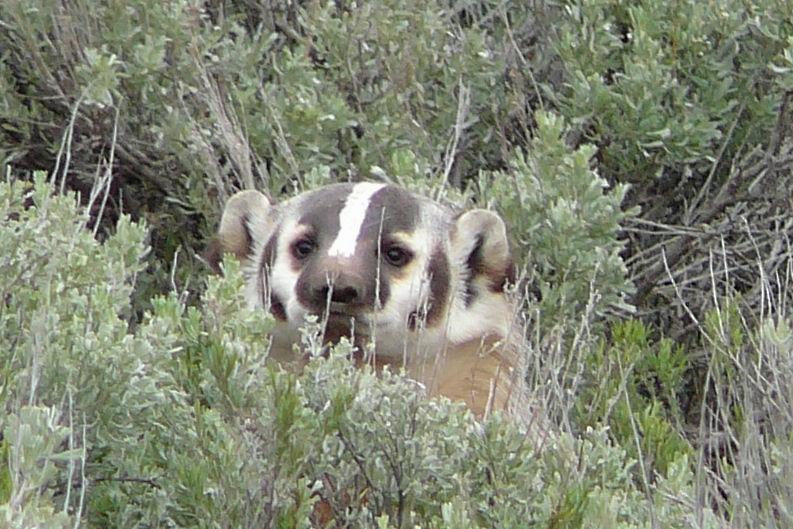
(508, 276)
(248, 237)
(319, 211)
(277, 308)
(392, 207)
(265, 265)
(270, 252)
(497, 278)
(440, 277)
(413, 320)
(378, 255)
(474, 264)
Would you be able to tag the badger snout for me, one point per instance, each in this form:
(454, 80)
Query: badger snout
(341, 292)
(340, 288)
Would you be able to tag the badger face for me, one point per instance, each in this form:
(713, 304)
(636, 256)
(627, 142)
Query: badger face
(398, 273)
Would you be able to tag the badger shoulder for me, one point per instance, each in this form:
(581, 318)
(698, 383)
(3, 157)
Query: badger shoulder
(410, 281)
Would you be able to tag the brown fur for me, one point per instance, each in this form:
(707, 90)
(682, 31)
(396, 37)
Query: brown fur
(483, 369)
(481, 374)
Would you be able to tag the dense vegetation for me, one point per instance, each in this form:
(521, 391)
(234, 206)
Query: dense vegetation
(641, 153)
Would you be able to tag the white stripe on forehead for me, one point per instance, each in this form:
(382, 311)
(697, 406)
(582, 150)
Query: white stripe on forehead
(351, 219)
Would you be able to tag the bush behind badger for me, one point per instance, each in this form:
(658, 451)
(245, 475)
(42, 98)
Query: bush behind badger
(411, 282)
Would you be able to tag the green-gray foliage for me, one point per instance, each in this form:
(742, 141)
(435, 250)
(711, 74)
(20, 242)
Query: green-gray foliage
(566, 114)
(656, 85)
(635, 386)
(197, 101)
(749, 370)
(564, 222)
(688, 101)
(180, 422)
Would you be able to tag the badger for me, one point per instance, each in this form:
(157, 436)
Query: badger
(411, 282)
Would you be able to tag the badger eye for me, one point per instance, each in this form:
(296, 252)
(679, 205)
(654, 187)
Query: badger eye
(302, 248)
(397, 256)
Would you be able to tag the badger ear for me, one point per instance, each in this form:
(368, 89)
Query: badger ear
(480, 245)
(242, 216)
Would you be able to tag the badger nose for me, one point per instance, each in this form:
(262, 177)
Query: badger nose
(341, 289)
(338, 293)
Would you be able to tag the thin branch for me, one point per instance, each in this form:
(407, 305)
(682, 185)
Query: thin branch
(451, 155)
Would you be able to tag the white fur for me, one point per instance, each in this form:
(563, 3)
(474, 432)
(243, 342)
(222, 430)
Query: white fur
(488, 315)
(453, 356)
(351, 219)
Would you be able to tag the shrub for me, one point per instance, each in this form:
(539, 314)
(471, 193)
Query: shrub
(636, 387)
(563, 116)
(690, 103)
(565, 224)
(182, 104)
(179, 421)
(745, 426)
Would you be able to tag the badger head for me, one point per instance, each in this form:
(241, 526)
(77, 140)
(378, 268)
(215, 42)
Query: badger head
(398, 273)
